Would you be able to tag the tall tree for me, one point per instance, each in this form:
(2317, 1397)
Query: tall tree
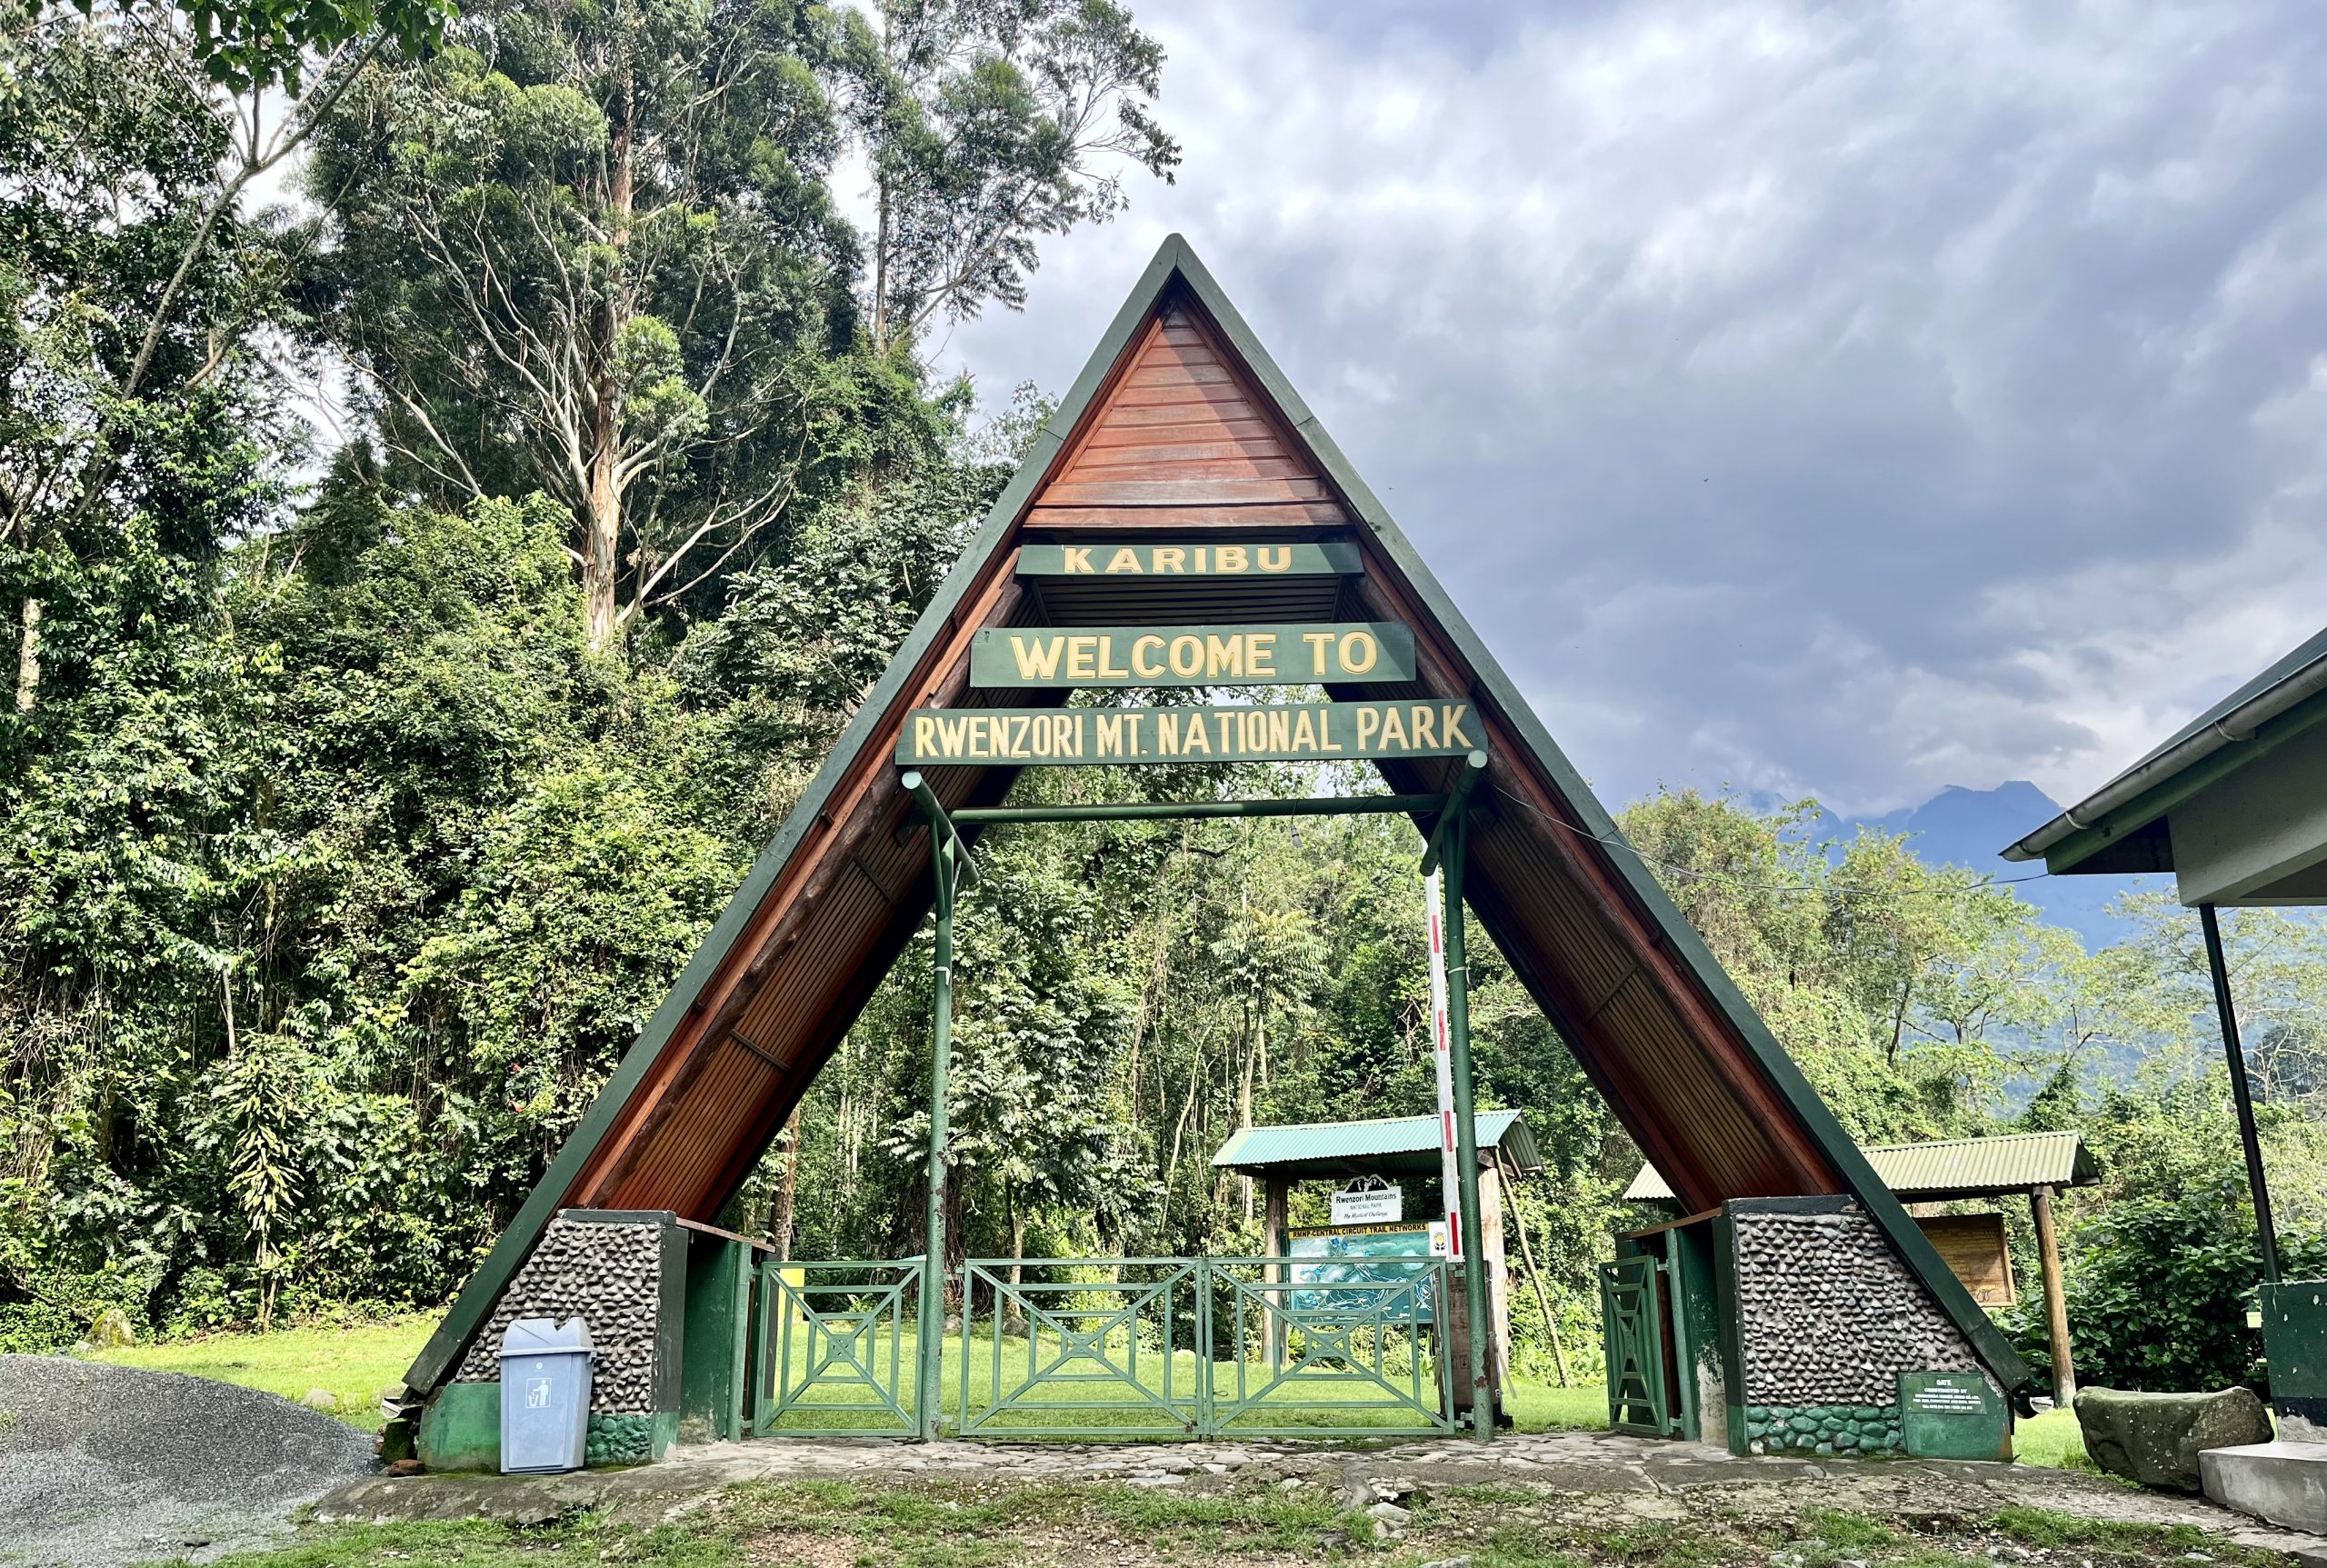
(588, 250)
(987, 124)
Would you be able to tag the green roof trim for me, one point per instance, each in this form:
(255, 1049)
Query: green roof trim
(1384, 1145)
(1952, 1168)
(1175, 265)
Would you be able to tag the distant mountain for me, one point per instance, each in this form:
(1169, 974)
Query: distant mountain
(1968, 827)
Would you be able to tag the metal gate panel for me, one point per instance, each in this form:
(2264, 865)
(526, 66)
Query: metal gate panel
(1356, 1356)
(1633, 1324)
(1105, 1355)
(832, 1350)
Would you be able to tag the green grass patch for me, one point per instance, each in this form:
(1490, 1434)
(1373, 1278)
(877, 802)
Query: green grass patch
(353, 1363)
(2053, 1440)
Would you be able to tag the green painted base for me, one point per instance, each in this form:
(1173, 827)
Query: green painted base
(460, 1429)
(1822, 1428)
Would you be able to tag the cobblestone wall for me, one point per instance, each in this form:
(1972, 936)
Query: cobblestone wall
(1828, 1317)
(608, 1275)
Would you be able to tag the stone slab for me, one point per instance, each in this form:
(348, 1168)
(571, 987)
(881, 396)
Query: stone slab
(2283, 1483)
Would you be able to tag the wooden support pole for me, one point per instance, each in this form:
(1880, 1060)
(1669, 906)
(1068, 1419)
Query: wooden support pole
(1466, 1147)
(1276, 1219)
(1535, 1274)
(2056, 1301)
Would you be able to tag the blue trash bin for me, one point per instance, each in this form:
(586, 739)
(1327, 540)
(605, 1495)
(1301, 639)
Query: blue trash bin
(544, 1396)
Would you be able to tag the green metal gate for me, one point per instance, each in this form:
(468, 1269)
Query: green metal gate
(832, 1353)
(1185, 1347)
(1632, 1320)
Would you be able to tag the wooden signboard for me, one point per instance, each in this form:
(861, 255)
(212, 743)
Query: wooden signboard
(1295, 731)
(1023, 656)
(1209, 560)
(1973, 1246)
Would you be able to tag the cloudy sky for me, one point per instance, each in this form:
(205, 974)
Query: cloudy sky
(1849, 400)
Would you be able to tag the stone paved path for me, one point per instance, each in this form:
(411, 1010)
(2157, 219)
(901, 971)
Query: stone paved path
(1592, 1474)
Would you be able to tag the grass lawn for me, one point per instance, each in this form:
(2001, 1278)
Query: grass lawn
(353, 1363)
(957, 1525)
(2051, 1440)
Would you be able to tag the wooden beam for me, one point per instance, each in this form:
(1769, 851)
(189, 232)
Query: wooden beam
(2056, 1304)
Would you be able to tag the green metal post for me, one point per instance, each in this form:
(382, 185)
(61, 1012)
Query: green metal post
(941, 1052)
(2240, 1096)
(1466, 1136)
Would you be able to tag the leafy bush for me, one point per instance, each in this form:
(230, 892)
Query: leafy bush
(2158, 1293)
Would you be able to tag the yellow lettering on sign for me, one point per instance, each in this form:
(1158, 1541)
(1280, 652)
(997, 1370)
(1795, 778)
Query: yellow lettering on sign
(1017, 742)
(1133, 723)
(1369, 720)
(1229, 721)
(1282, 554)
(1228, 558)
(1079, 651)
(1392, 727)
(1146, 669)
(1279, 730)
(1359, 652)
(1078, 557)
(924, 734)
(1326, 741)
(1108, 669)
(1260, 652)
(1192, 739)
(1304, 732)
(1037, 656)
(1320, 651)
(1426, 724)
(951, 734)
(1171, 558)
(1186, 655)
(1124, 560)
(1223, 656)
(1451, 728)
(1201, 566)
(1167, 734)
(1111, 735)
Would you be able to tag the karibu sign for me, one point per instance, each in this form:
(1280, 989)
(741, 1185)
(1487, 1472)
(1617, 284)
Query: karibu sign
(1189, 560)
(1191, 655)
(1296, 732)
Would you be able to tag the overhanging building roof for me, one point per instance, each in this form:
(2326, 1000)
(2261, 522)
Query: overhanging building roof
(1384, 1145)
(1181, 425)
(1953, 1167)
(2122, 826)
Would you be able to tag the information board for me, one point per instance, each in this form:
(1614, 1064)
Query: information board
(1369, 1206)
(1291, 732)
(1953, 1415)
(1348, 1255)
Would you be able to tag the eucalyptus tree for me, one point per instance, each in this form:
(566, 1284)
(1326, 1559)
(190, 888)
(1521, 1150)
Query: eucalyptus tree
(986, 125)
(589, 250)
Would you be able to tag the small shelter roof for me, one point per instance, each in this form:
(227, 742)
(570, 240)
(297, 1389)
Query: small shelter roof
(1384, 1146)
(2199, 806)
(1954, 1167)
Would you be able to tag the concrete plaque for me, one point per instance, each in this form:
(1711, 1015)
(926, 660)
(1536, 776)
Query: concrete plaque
(1953, 1415)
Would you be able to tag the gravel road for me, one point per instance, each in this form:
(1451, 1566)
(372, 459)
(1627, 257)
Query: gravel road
(102, 1466)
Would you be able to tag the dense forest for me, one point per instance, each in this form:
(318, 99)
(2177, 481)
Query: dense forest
(371, 768)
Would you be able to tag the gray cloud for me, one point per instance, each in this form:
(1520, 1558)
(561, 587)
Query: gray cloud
(1849, 400)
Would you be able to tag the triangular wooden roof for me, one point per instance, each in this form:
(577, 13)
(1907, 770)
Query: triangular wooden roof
(1181, 424)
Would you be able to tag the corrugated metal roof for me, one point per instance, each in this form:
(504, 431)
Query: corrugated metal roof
(1955, 1168)
(1383, 1143)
